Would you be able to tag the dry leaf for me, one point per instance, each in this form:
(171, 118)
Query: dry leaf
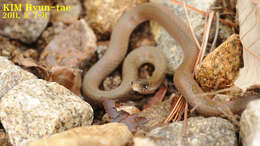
(68, 77)
(258, 13)
(249, 76)
(133, 121)
(255, 1)
(158, 97)
(27, 60)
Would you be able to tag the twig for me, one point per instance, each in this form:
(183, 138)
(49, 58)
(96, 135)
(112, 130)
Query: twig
(204, 42)
(232, 4)
(252, 53)
(216, 33)
(219, 91)
(194, 108)
(177, 108)
(204, 13)
(190, 7)
(191, 28)
(200, 52)
(213, 93)
(185, 119)
(224, 3)
(206, 36)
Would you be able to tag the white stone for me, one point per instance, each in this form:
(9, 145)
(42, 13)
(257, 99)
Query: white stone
(36, 108)
(250, 124)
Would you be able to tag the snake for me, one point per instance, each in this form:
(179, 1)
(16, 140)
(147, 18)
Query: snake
(183, 76)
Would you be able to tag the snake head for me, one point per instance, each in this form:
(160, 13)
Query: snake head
(143, 87)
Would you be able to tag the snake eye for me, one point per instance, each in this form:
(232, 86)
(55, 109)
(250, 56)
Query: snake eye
(145, 86)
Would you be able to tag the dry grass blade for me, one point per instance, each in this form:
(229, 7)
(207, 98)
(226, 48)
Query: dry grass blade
(252, 53)
(191, 28)
(177, 109)
(206, 36)
(219, 91)
(204, 39)
(203, 13)
(185, 119)
(216, 33)
(214, 93)
(190, 7)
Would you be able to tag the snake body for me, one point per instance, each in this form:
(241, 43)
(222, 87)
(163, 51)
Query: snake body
(183, 77)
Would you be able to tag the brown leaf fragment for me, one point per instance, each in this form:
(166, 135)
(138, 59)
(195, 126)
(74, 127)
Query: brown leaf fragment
(132, 121)
(68, 77)
(258, 13)
(249, 34)
(4, 138)
(27, 60)
(255, 1)
(158, 97)
(156, 114)
(110, 108)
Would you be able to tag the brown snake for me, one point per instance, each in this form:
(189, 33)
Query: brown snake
(183, 77)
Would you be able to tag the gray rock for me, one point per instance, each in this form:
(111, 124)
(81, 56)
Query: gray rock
(68, 16)
(169, 46)
(200, 132)
(103, 15)
(27, 28)
(37, 108)
(49, 33)
(11, 75)
(72, 47)
(249, 124)
(67, 53)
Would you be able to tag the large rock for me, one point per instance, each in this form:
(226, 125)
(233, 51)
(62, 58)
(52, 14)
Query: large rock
(200, 132)
(67, 16)
(27, 28)
(37, 108)
(220, 68)
(71, 47)
(102, 15)
(67, 53)
(249, 124)
(113, 134)
(49, 33)
(11, 75)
